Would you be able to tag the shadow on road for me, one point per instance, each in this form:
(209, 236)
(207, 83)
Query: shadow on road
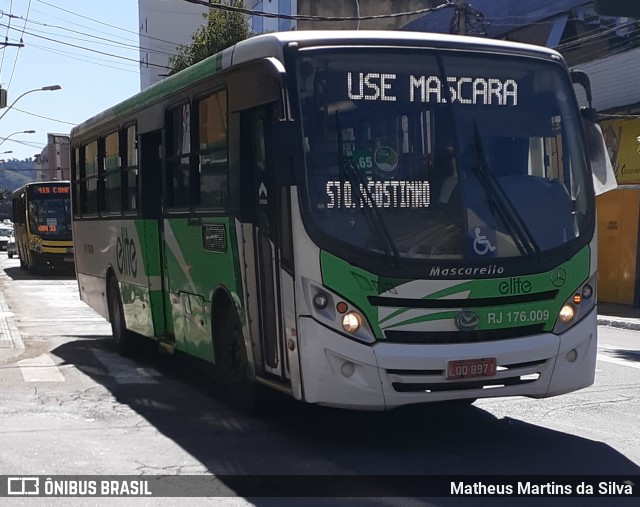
(413, 440)
(297, 439)
(15, 273)
(630, 355)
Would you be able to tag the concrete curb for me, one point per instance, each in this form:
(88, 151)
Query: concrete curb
(631, 324)
(11, 344)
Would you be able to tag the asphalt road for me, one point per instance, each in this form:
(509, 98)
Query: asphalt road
(70, 405)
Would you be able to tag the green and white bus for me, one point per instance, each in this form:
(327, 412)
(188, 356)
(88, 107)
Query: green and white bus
(359, 219)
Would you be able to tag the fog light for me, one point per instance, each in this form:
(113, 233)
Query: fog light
(348, 369)
(351, 322)
(572, 355)
(587, 291)
(567, 313)
(320, 301)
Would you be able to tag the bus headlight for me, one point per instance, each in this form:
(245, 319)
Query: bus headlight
(351, 322)
(335, 312)
(577, 306)
(567, 313)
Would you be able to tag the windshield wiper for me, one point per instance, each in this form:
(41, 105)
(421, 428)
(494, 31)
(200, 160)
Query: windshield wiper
(521, 235)
(371, 210)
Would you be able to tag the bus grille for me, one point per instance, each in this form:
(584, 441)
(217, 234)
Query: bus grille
(439, 337)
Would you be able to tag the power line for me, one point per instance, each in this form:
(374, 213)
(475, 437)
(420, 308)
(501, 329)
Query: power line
(103, 40)
(107, 24)
(43, 117)
(304, 17)
(15, 61)
(88, 59)
(92, 50)
(6, 37)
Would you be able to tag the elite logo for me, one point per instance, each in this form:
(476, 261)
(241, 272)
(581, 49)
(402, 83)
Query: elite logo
(127, 257)
(514, 285)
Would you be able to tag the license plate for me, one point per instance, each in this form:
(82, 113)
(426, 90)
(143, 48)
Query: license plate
(470, 368)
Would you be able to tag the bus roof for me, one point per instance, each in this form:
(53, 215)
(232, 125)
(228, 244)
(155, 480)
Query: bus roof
(272, 44)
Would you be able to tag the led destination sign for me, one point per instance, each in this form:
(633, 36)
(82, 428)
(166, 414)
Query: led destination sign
(48, 192)
(379, 194)
(52, 190)
(379, 86)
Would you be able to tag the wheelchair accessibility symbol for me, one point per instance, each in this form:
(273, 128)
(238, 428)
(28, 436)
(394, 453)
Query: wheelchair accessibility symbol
(481, 245)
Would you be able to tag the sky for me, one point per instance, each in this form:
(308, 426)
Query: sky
(88, 47)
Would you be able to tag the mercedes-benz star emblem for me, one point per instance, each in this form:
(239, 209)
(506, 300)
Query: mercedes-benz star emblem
(558, 277)
(467, 321)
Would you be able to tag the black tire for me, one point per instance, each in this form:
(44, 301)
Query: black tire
(121, 338)
(232, 371)
(10, 255)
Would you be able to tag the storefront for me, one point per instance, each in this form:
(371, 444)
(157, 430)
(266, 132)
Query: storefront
(618, 213)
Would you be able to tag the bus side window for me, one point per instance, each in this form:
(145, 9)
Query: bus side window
(89, 194)
(179, 150)
(76, 182)
(112, 176)
(130, 169)
(213, 164)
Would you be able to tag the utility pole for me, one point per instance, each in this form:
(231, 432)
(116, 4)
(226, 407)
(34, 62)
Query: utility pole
(461, 15)
(466, 20)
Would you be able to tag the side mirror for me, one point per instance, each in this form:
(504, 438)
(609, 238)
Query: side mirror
(287, 153)
(604, 178)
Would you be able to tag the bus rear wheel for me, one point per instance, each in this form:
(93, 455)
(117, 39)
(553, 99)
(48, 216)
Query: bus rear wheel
(121, 339)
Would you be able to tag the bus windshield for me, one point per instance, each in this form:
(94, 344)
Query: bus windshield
(418, 154)
(50, 218)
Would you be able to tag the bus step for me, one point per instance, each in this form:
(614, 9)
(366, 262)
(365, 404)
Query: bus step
(167, 347)
(278, 385)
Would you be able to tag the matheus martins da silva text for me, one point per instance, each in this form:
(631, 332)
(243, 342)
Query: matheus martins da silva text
(601, 488)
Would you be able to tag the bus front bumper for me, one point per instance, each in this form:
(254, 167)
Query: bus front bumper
(344, 373)
(47, 260)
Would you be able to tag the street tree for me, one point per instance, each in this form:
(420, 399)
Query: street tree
(222, 29)
(5, 203)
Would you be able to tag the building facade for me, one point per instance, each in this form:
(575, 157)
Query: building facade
(166, 24)
(53, 162)
(335, 9)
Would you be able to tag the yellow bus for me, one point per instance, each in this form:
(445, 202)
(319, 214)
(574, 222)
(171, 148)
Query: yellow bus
(42, 225)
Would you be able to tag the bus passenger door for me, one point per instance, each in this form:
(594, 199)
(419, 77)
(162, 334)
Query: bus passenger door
(264, 292)
(151, 167)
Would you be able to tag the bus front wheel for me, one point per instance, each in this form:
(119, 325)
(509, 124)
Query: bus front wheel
(116, 317)
(231, 364)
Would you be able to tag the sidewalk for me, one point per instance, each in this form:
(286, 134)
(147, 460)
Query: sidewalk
(10, 341)
(622, 316)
